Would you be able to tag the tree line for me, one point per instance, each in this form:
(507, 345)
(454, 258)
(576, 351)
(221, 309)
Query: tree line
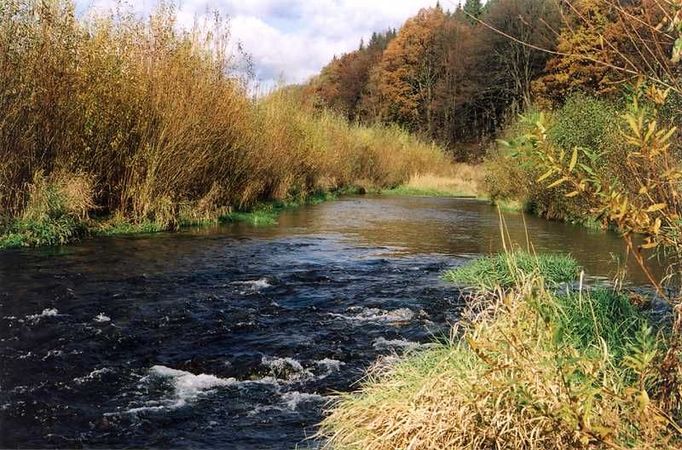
(458, 76)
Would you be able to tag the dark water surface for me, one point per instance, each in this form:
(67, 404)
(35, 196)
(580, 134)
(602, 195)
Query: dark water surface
(235, 337)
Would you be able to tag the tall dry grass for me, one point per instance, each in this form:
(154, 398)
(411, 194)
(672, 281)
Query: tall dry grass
(461, 180)
(158, 121)
(530, 368)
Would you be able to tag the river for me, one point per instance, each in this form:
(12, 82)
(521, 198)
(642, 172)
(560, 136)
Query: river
(235, 336)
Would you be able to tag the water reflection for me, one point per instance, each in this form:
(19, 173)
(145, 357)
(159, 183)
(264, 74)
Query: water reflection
(454, 227)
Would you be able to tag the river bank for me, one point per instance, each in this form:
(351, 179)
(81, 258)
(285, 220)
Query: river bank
(152, 127)
(266, 322)
(527, 365)
(54, 224)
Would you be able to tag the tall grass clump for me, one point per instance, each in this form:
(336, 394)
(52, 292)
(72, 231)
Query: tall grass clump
(502, 271)
(528, 369)
(54, 214)
(159, 120)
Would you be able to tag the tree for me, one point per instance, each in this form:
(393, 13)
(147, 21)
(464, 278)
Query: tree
(343, 82)
(409, 70)
(473, 9)
(604, 43)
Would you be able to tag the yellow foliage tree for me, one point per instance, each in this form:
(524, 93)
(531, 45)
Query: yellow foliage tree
(405, 80)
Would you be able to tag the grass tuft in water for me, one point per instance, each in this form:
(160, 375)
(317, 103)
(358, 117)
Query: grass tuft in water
(266, 214)
(258, 217)
(500, 270)
(124, 227)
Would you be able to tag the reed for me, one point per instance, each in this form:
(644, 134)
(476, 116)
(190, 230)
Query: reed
(162, 125)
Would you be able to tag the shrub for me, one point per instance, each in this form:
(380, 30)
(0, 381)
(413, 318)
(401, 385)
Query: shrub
(512, 168)
(585, 122)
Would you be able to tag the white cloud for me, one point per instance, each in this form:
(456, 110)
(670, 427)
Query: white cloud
(294, 39)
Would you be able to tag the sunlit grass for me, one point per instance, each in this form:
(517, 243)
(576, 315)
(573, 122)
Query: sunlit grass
(526, 369)
(502, 271)
(462, 180)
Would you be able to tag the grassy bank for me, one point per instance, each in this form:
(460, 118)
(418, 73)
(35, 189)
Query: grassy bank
(489, 272)
(152, 128)
(267, 214)
(460, 180)
(529, 369)
(59, 227)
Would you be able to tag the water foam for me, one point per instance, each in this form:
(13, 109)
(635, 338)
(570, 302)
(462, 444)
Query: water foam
(389, 344)
(92, 375)
(295, 398)
(286, 368)
(394, 317)
(47, 312)
(255, 285)
(101, 317)
(330, 365)
(187, 388)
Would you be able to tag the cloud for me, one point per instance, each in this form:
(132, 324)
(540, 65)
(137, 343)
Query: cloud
(291, 40)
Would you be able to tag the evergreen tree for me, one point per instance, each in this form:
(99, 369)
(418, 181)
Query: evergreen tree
(473, 10)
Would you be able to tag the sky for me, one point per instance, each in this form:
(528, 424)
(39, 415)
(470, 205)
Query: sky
(291, 40)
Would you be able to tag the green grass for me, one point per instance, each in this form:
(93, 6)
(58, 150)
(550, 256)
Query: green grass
(511, 205)
(257, 217)
(117, 228)
(46, 231)
(533, 370)
(266, 214)
(12, 240)
(603, 314)
(499, 270)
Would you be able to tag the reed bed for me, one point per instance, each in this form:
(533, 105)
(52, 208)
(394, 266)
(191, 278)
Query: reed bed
(159, 122)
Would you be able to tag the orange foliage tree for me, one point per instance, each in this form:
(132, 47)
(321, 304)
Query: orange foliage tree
(405, 79)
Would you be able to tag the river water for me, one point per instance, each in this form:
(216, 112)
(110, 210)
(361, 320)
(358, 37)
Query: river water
(235, 336)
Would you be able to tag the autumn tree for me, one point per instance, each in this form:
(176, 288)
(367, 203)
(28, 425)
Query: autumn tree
(448, 76)
(405, 80)
(342, 83)
(604, 43)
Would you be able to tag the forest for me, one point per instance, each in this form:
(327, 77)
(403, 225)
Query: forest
(461, 76)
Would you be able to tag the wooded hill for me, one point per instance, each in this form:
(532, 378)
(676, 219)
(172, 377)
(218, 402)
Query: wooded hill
(458, 76)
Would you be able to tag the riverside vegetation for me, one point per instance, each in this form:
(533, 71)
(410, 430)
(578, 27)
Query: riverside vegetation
(115, 124)
(534, 364)
(529, 366)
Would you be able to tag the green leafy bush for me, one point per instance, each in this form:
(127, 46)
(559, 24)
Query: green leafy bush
(512, 169)
(585, 122)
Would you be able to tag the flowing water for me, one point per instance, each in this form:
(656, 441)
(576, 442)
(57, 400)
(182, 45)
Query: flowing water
(235, 336)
